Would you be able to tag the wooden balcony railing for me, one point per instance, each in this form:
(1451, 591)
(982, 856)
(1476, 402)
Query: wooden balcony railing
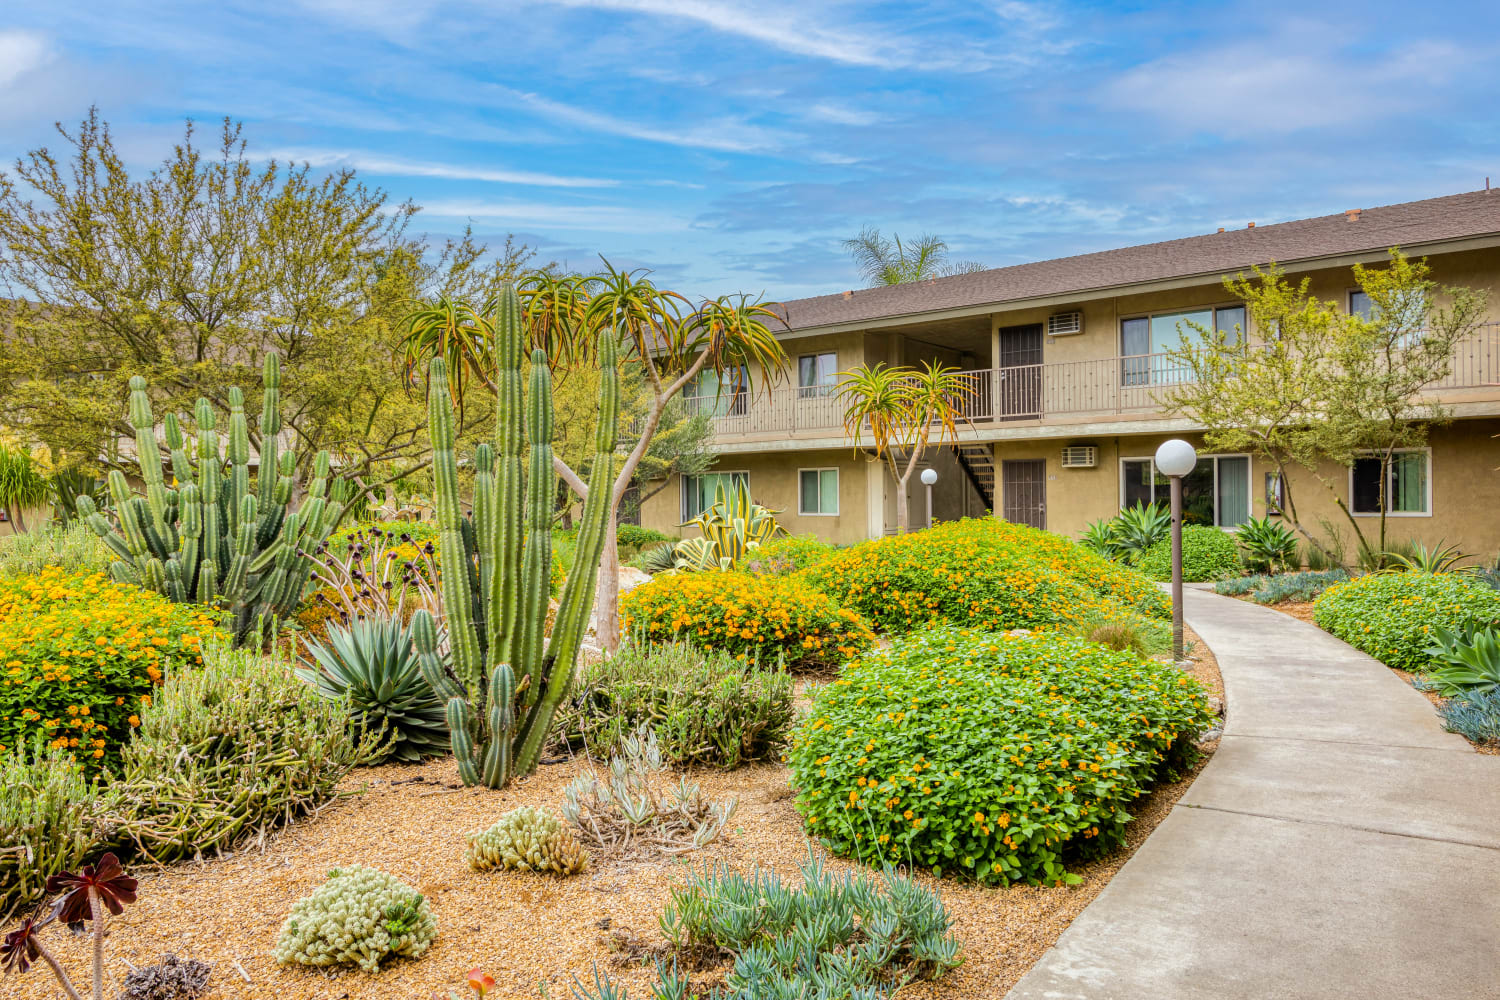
(1105, 387)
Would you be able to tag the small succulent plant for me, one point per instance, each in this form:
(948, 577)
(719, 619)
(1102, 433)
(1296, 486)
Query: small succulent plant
(528, 840)
(358, 917)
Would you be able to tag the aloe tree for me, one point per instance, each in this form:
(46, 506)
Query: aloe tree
(506, 679)
(669, 338)
(902, 408)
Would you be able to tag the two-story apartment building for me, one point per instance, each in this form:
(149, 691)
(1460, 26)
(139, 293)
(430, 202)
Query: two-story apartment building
(1066, 361)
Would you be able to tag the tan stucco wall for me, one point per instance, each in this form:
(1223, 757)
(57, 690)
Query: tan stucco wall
(36, 518)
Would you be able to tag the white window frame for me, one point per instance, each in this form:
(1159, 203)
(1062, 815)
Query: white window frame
(682, 489)
(818, 389)
(1249, 470)
(838, 480)
(1427, 493)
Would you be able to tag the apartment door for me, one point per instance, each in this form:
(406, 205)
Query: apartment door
(1019, 395)
(1023, 485)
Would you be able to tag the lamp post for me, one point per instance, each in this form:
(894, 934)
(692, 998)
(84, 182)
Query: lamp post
(929, 476)
(1175, 459)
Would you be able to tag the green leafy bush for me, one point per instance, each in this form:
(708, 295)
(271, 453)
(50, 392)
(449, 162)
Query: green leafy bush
(228, 752)
(1474, 715)
(834, 936)
(370, 666)
(360, 916)
(632, 539)
(706, 706)
(50, 821)
(754, 617)
(80, 656)
(999, 757)
(983, 573)
(75, 549)
(786, 555)
(1392, 616)
(1208, 553)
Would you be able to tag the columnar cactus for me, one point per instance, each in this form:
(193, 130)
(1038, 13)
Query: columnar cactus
(507, 680)
(211, 539)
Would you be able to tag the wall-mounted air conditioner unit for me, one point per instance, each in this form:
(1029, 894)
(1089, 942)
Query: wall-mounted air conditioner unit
(1080, 456)
(1065, 324)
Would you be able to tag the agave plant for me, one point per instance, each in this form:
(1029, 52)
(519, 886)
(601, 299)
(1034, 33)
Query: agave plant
(1138, 528)
(1467, 664)
(1269, 546)
(659, 558)
(1439, 558)
(1099, 537)
(733, 526)
(372, 663)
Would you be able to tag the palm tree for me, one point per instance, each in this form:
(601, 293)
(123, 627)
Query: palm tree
(892, 262)
(902, 408)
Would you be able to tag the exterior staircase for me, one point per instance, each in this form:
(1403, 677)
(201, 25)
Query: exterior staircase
(978, 463)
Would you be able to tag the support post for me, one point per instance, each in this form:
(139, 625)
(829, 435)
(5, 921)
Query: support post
(1176, 569)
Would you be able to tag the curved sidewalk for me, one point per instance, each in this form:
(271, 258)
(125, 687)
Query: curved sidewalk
(1338, 845)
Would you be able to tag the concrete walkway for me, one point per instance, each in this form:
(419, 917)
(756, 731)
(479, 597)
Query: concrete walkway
(1338, 845)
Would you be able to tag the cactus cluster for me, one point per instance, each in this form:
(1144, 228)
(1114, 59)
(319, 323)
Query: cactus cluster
(528, 840)
(358, 917)
(210, 538)
(506, 678)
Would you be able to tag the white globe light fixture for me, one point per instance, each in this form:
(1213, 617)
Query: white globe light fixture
(929, 476)
(1175, 459)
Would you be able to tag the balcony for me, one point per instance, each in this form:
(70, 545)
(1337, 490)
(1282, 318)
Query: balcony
(1070, 393)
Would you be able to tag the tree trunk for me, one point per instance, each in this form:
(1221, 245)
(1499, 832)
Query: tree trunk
(607, 596)
(902, 517)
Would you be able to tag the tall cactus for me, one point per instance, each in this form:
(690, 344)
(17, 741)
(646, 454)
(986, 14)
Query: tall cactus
(213, 539)
(506, 678)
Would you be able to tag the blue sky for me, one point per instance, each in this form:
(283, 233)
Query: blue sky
(732, 146)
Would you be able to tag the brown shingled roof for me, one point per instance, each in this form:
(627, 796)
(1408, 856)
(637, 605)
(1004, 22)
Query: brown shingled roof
(1411, 224)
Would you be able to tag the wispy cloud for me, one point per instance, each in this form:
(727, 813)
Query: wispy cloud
(842, 114)
(597, 218)
(729, 134)
(21, 52)
(398, 167)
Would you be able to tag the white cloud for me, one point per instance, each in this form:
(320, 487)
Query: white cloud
(594, 218)
(840, 114)
(1298, 79)
(395, 166)
(728, 135)
(21, 52)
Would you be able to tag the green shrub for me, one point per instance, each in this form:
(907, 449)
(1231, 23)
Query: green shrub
(358, 917)
(706, 706)
(753, 617)
(80, 656)
(1392, 616)
(632, 539)
(786, 555)
(1208, 553)
(75, 549)
(49, 822)
(983, 573)
(998, 757)
(227, 752)
(371, 667)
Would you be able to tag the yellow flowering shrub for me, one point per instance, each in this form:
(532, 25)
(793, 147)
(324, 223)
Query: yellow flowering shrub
(1392, 616)
(1000, 757)
(751, 616)
(983, 573)
(81, 654)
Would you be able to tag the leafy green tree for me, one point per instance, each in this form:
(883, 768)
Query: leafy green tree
(190, 273)
(884, 261)
(1317, 384)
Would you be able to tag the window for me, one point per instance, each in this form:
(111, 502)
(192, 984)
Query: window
(1216, 492)
(818, 491)
(817, 374)
(1408, 484)
(1407, 314)
(1360, 305)
(698, 491)
(720, 394)
(1145, 340)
